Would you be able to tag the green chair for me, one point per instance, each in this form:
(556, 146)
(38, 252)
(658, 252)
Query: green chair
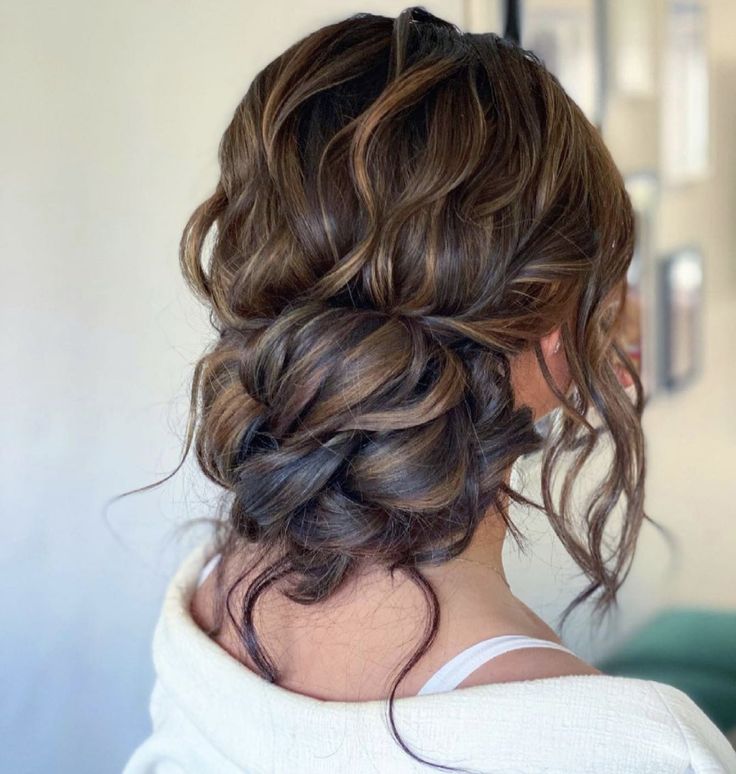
(690, 648)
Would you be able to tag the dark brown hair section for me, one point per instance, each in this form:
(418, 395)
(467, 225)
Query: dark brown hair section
(402, 207)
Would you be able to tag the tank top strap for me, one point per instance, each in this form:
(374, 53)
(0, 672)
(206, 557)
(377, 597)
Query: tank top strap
(207, 569)
(451, 674)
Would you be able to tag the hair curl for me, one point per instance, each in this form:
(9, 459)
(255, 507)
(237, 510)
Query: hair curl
(403, 207)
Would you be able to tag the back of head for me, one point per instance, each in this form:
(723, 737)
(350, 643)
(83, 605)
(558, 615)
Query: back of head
(402, 209)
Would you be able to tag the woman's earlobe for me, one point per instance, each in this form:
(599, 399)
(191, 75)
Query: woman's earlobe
(552, 342)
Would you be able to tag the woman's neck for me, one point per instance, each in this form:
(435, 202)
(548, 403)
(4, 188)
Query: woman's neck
(356, 639)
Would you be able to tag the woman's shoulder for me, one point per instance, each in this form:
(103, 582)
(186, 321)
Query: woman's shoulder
(612, 723)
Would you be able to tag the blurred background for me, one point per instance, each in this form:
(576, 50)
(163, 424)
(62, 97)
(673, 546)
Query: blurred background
(111, 116)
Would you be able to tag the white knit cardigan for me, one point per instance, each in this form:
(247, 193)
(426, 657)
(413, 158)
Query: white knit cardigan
(213, 715)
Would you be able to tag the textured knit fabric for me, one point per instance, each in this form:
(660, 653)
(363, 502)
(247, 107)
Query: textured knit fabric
(211, 714)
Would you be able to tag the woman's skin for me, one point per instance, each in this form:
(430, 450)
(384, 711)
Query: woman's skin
(350, 647)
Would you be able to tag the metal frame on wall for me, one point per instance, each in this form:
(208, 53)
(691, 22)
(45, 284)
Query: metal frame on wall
(642, 334)
(587, 20)
(681, 280)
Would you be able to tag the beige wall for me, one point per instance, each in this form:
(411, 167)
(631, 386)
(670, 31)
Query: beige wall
(111, 115)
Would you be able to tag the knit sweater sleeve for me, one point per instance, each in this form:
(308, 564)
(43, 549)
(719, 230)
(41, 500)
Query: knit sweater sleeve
(708, 749)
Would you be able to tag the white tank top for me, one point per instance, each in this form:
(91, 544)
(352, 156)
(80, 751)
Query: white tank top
(451, 674)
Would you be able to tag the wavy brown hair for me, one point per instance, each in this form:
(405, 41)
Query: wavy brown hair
(403, 207)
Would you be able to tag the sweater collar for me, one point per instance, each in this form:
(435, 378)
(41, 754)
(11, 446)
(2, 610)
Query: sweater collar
(222, 697)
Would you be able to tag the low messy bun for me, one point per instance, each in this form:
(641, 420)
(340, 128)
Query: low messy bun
(402, 208)
(353, 434)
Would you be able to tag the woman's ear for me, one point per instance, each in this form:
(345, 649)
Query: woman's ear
(528, 382)
(551, 344)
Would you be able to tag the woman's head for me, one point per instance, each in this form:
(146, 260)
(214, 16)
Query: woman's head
(418, 248)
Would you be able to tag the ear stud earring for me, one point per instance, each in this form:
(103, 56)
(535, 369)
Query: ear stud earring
(557, 347)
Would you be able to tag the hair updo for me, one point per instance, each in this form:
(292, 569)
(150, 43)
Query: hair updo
(402, 207)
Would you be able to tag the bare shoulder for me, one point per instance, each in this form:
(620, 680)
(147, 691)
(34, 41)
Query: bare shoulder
(529, 664)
